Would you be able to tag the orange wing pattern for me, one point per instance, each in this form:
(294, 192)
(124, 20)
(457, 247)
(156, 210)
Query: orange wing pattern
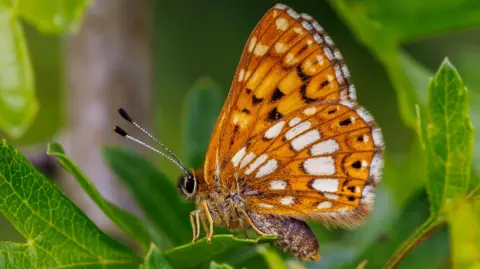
(291, 75)
(322, 161)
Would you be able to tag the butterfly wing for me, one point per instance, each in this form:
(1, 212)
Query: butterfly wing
(322, 161)
(289, 65)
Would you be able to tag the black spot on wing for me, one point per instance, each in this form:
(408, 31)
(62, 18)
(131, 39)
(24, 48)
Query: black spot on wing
(345, 122)
(357, 164)
(246, 111)
(256, 100)
(302, 49)
(274, 115)
(331, 111)
(324, 84)
(303, 92)
(304, 77)
(277, 94)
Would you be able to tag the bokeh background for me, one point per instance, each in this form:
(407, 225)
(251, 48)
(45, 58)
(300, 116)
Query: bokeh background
(147, 55)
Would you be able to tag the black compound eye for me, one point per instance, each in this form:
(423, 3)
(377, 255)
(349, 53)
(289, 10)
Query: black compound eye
(189, 184)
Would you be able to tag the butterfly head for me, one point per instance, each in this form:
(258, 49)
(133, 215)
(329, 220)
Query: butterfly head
(187, 183)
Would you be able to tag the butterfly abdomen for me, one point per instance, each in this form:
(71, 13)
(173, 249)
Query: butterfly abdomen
(293, 235)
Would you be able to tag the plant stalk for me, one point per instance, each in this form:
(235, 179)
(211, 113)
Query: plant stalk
(413, 241)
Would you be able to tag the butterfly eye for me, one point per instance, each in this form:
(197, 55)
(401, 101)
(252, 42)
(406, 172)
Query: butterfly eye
(188, 185)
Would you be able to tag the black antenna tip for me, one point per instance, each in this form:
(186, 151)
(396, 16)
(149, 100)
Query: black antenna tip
(125, 115)
(119, 131)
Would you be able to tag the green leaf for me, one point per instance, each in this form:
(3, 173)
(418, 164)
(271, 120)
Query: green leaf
(18, 104)
(214, 265)
(52, 16)
(201, 108)
(402, 19)
(155, 259)
(267, 257)
(383, 26)
(201, 251)
(129, 223)
(447, 135)
(159, 199)
(464, 223)
(58, 234)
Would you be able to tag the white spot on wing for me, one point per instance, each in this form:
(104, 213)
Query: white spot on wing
(307, 25)
(260, 49)
(278, 185)
(306, 16)
(352, 92)
(274, 131)
(362, 112)
(238, 156)
(289, 58)
(347, 103)
(330, 196)
(328, 53)
(368, 195)
(310, 111)
(339, 74)
(280, 47)
(252, 44)
(329, 40)
(345, 71)
(324, 204)
(265, 205)
(364, 165)
(376, 167)
(300, 128)
(268, 168)
(255, 164)
(318, 38)
(325, 184)
(282, 24)
(325, 147)
(317, 27)
(320, 59)
(319, 166)
(338, 55)
(294, 122)
(305, 139)
(247, 159)
(241, 74)
(377, 137)
(293, 14)
(287, 200)
(298, 30)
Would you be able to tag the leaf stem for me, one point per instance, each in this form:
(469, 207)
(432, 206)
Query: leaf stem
(413, 241)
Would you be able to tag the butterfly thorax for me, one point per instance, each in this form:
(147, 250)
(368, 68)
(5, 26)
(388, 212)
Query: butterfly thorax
(226, 208)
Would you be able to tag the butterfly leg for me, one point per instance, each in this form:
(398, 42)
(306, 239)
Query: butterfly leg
(195, 215)
(253, 225)
(210, 221)
(204, 224)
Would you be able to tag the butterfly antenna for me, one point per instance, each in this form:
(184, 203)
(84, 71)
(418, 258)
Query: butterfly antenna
(122, 132)
(127, 117)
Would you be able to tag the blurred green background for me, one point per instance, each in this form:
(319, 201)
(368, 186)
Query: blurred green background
(390, 47)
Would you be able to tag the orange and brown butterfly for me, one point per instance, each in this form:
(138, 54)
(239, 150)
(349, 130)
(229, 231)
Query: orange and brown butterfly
(291, 142)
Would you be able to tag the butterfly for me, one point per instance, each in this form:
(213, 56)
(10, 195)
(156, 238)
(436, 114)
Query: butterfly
(291, 142)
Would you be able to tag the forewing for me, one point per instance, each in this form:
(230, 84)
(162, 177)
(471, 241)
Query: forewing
(288, 63)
